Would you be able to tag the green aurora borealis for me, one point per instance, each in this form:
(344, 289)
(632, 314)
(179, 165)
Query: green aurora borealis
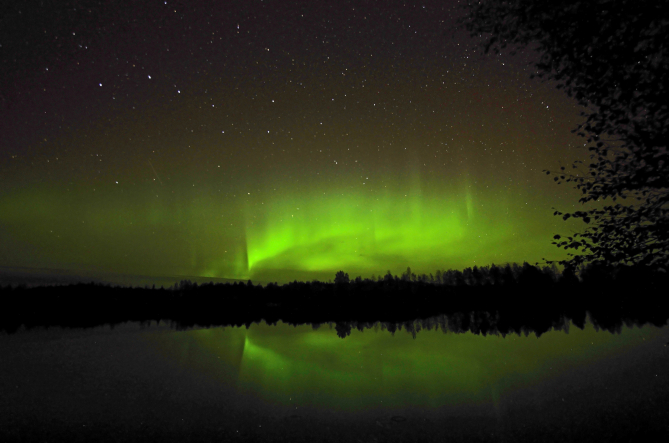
(276, 146)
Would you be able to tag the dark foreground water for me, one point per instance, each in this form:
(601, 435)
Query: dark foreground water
(285, 383)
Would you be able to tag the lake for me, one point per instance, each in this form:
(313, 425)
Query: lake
(296, 383)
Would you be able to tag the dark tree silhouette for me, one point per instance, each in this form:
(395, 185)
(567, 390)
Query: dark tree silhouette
(341, 278)
(613, 58)
(533, 300)
(343, 329)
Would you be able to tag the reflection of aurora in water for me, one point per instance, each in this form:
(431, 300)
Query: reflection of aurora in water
(303, 384)
(455, 373)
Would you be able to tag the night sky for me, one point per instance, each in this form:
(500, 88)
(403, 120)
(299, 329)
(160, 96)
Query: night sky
(272, 140)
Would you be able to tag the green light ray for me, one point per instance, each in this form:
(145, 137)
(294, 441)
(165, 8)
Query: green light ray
(269, 235)
(354, 233)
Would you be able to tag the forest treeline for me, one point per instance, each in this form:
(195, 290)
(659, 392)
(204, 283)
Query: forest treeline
(491, 299)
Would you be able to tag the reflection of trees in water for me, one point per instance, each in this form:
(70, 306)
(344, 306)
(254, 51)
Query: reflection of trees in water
(496, 323)
(479, 323)
(512, 299)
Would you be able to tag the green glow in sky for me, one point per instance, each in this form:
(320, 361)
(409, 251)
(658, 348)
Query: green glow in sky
(275, 236)
(357, 233)
(343, 146)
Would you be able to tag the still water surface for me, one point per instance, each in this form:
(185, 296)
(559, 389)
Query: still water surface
(286, 383)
